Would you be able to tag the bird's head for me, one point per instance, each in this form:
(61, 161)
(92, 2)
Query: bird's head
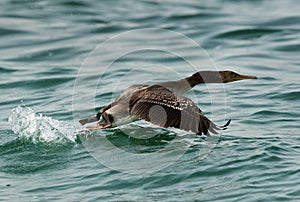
(230, 76)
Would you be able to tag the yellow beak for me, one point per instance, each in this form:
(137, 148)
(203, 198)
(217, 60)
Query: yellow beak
(242, 77)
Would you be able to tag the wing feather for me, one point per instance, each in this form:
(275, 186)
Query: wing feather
(162, 107)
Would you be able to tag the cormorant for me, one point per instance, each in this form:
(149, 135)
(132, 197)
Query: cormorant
(163, 104)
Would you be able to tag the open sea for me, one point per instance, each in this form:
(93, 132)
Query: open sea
(61, 60)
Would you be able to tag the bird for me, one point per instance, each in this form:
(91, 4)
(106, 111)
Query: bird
(163, 104)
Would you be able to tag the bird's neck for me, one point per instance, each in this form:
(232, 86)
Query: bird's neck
(204, 77)
(183, 85)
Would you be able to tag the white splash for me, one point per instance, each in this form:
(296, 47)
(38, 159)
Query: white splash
(38, 128)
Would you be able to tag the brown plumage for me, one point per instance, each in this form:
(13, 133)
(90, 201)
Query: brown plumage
(163, 104)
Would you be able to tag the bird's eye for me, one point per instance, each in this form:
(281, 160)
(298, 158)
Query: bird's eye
(98, 115)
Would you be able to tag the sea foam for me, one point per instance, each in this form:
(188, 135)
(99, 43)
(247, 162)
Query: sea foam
(39, 128)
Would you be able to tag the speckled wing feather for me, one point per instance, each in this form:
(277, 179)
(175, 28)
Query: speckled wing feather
(160, 106)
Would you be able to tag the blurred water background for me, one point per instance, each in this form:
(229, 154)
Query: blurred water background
(44, 49)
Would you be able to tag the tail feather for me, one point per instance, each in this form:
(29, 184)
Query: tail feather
(224, 127)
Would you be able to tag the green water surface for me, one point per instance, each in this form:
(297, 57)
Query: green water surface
(47, 64)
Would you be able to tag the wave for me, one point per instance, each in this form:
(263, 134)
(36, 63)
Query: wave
(40, 129)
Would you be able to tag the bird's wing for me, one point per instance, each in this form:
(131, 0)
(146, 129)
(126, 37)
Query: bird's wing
(162, 107)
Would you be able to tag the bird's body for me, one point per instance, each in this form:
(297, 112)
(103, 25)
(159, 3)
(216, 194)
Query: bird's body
(163, 104)
(120, 107)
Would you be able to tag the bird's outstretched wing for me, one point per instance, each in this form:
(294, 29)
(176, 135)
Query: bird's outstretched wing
(162, 107)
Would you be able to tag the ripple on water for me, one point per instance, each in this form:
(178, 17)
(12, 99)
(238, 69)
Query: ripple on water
(40, 129)
(288, 96)
(9, 32)
(22, 156)
(36, 83)
(256, 159)
(247, 33)
(7, 70)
